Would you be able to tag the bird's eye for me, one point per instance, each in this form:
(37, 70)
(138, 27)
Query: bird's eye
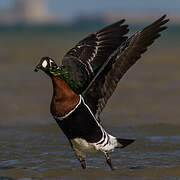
(44, 64)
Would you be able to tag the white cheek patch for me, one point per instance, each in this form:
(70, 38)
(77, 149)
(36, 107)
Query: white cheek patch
(44, 64)
(51, 62)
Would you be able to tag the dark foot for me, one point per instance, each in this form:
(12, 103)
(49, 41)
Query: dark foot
(108, 160)
(83, 164)
(81, 156)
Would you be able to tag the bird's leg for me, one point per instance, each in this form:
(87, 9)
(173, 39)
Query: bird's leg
(81, 156)
(83, 163)
(108, 160)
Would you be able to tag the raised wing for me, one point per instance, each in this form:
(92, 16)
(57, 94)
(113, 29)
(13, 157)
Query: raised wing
(84, 60)
(105, 82)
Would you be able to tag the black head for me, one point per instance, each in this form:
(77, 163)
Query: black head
(46, 64)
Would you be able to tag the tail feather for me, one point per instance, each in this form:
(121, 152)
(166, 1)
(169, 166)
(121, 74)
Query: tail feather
(124, 142)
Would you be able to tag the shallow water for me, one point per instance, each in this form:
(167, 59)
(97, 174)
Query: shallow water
(145, 107)
(44, 153)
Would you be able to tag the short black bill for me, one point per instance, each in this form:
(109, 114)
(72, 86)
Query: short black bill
(37, 68)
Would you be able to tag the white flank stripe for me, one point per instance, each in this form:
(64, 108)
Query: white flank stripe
(112, 140)
(95, 119)
(65, 116)
(88, 108)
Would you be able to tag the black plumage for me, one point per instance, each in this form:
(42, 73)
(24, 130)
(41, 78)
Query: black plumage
(99, 71)
(84, 60)
(81, 124)
(105, 82)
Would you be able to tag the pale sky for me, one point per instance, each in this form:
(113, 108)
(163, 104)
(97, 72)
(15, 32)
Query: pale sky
(70, 8)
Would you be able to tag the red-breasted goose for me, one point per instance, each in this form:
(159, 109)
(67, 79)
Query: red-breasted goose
(88, 76)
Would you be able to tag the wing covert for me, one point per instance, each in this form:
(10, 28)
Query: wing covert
(105, 82)
(83, 61)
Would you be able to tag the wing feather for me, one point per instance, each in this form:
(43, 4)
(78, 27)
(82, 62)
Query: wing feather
(105, 82)
(93, 51)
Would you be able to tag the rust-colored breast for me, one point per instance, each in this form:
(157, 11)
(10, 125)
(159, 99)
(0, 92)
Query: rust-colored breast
(64, 99)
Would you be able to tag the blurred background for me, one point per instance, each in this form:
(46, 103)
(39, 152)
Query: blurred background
(146, 101)
(30, 29)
